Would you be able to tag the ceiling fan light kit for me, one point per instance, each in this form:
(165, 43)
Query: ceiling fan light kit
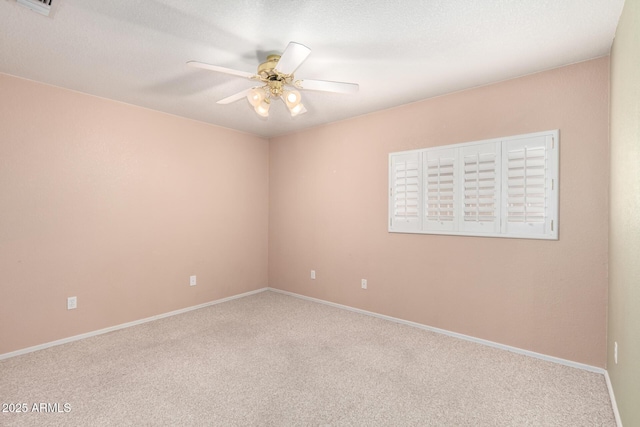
(260, 98)
(277, 75)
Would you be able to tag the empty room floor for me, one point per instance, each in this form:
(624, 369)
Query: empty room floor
(273, 359)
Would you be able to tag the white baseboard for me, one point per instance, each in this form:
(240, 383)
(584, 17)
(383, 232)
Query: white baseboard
(548, 358)
(612, 396)
(345, 307)
(124, 325)
(452, 334)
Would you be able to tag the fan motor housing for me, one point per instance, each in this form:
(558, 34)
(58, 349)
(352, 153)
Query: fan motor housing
(267, 68)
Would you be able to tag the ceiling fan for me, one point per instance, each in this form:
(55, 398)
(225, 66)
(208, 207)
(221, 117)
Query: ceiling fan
(278, 81)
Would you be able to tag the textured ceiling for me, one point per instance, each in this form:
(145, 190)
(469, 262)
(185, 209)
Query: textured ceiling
(399, 52)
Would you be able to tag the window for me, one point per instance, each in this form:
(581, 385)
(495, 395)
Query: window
(504, 187)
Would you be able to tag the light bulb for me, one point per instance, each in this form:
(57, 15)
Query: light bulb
(263, 108)
(256, 96)
(292, 98)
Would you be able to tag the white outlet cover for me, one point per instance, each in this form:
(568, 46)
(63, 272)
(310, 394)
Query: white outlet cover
(192, 280)
(72, 303)
(313, 274)
(364, 283)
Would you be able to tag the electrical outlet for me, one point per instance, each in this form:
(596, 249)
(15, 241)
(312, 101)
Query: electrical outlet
(363, 284)
(192, 280)
(313, 274)
(615, 352)
(72, 302)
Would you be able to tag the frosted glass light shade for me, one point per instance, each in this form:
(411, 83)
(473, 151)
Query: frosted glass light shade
(297, 110)
(292, 98)
(263, 108)
(256, 96)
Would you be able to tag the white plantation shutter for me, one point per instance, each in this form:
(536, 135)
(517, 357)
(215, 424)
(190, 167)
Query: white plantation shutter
(530, 193)
(481, 187)
(503, 187)
(439, 177)
(405, 193)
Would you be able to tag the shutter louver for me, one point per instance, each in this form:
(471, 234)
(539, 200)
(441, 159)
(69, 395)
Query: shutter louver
(405, 192)
(481, 187)
(440, 192)
(526, 198)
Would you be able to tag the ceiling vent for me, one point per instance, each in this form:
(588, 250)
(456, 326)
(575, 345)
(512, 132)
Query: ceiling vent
(40, 6)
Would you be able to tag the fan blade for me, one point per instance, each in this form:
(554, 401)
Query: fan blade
(292, 57)
(234, 98)
(327, 86)
(210, 67)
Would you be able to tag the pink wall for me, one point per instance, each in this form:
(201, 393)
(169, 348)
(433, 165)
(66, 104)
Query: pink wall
(328, 212)
(119, 205)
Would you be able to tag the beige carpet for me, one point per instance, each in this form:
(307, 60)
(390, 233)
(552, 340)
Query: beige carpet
(275, 360)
